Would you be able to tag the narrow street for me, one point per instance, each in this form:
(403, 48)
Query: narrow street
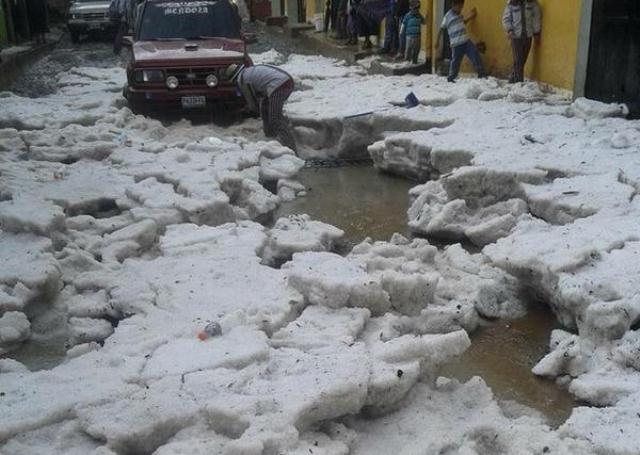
(458, 277)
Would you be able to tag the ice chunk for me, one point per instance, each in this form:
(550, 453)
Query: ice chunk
(10, 141)
(270, 57)
(30, 214)
(330, 280)
(589, 109)
(144, 421)
(212, 210)
(255, 201)
(29, 270)
(81, 349)
(298, 233)
(609, 430)
(14, 329)
(319, 327)
(84, 330)
(184, 356)
(288, 190)
(566, 199)
(80, 188)
(12, 366)
(463, 419)
(275, 166)
(527, 92)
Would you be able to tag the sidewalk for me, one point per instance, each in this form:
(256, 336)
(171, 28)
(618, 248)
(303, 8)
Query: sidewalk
(15, 58)
(323, 44)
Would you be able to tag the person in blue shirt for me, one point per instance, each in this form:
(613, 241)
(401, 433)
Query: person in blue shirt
(454, 22)
(412, 29)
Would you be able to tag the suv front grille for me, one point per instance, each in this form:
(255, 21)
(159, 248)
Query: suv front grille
(93, 16)
(196, 77)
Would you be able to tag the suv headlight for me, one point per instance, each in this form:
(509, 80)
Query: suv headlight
(212, 81)
(149, 76)
(172, 82)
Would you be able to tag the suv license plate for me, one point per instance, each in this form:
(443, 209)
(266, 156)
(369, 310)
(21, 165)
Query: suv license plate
(193, 101)
(95, 26)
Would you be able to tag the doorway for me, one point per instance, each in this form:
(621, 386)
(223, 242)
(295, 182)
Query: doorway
(614, 51)
(302, 11)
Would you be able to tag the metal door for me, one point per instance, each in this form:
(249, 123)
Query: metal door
(613, 73)
(302, 11)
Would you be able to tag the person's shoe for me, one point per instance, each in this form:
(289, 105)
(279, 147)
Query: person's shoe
(482, 75)
(452, 80)
(367, 45)
(383, 51)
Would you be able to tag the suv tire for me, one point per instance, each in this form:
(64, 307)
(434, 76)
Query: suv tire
(75, 36)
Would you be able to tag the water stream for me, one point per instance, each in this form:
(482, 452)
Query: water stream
(365, 203)
(357, 199)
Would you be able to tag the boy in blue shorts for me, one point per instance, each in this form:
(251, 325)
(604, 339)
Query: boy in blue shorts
(412, 29)
(454, 22)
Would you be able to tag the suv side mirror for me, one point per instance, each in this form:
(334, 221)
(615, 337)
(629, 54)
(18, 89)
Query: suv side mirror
(250, 38)
(127, 41)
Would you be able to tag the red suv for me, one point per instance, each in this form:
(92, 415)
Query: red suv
(180, 52)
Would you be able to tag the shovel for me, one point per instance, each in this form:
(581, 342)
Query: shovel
(410, 101)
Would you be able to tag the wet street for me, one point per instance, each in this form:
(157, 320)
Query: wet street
(181, 283)
(364, 203)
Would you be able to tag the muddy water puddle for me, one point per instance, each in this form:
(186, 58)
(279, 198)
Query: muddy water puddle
(40, 355)
(357, 199)
(503, 354)
(365, 203)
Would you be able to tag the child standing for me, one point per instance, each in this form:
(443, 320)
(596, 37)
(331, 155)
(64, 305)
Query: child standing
(411, 27)
(522, 20)
(454, 22)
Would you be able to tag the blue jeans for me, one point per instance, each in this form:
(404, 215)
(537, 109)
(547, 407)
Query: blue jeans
(391, 34)
(402, 42)
(458, 52)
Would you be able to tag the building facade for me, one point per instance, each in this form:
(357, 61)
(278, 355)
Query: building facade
(590, 47)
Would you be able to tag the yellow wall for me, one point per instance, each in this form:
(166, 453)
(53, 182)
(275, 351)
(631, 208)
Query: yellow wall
(426, 8)
(314, 7)
(554, 62)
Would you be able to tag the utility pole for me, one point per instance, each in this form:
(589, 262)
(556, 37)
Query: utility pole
(8, 17)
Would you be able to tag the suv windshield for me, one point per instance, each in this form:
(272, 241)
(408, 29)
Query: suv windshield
(188, 20)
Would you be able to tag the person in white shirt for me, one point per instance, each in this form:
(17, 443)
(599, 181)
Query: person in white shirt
(522, 20)
(454, 22)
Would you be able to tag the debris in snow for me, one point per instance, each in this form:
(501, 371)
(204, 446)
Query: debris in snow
(212, 329)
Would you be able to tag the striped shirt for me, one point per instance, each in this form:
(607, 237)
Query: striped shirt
(264, 79)
(454, 23)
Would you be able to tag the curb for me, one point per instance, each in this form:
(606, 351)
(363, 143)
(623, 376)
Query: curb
(11, 68)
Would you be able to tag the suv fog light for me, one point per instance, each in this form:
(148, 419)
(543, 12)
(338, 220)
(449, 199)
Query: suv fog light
(172, 82)
(212, 81)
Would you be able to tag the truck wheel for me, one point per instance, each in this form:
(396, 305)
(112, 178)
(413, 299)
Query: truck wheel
(136, 108)
(75, 36)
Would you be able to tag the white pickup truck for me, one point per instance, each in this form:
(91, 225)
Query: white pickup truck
(89, 16)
